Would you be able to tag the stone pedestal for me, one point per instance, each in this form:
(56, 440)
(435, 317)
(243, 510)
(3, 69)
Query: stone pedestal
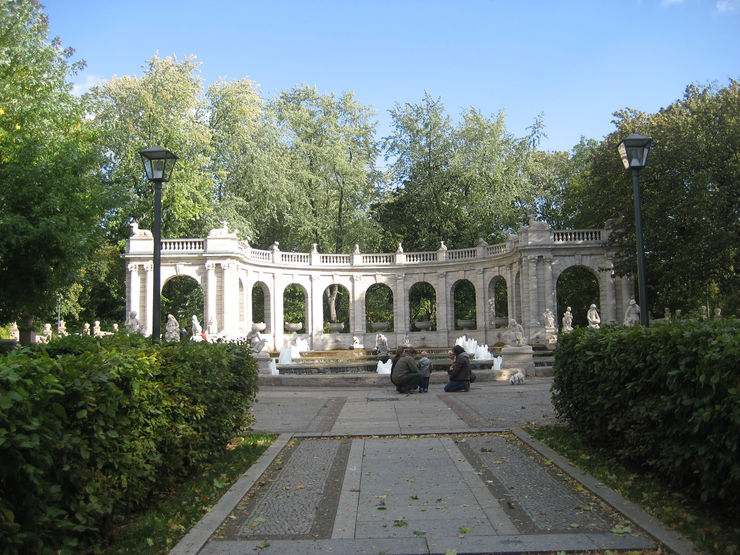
(263, 362)
(518, 357)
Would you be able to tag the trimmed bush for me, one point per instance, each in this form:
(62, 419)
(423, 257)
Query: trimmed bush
(90, 429)
(666, 398)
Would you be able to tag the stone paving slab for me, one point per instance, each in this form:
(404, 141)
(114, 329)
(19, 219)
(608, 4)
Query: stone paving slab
(438, 463)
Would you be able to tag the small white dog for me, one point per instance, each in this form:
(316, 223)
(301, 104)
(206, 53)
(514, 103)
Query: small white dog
(517, 379)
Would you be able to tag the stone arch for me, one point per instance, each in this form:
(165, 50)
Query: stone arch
(498, 302)
(422, 305)
(464, 304)
(341, 306)
(262, 305)
(183, 297)
(577, 286)
(379, 305)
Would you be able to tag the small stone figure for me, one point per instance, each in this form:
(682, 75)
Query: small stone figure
(381, 344)
(14, 332)
(516, 332)
(195, 330)
(96, 328)
(62, 329)
(115, 328)
(593, 317)
(549, 319)
(255, 339)
(172, 329)
(46, 333)
(632, 314)
(718, 312)
(704, 312)
(133, 325)
(86, 329)
(666, 313)
(212, 329)
(406, 342)
(567, 321)
(356, 343)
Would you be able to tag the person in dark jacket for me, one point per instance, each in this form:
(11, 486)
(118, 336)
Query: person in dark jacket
(405, 374)
(460, 374)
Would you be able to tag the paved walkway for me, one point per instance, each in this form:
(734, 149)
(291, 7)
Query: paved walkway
(368, 470)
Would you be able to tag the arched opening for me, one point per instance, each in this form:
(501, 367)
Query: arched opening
(379, 307)
(498, 303)
(463, 302)
(577, 288)
(183, 298)
(336, 309)
(261, 305)
(294, 308)
(422, 307)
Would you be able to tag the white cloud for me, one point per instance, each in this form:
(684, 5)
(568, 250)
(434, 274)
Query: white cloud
(84, 82)
(727, 6)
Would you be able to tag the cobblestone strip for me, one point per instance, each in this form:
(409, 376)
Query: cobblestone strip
(296, 497)
(464, 413)
(327, 415)
(551, 504)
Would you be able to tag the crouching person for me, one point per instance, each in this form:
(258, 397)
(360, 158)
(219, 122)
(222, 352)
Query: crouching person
(460, 372)
(405, 374)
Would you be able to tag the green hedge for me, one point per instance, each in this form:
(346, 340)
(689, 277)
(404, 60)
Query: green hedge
(91, 429)
(666, 398)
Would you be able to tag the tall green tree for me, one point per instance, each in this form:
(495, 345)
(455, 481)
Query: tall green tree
(690, 198)
(165, 106)
(52, 199)
(330, 162)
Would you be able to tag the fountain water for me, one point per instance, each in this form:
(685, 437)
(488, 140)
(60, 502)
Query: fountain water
(476, 352)
(273, 368)
(384, 367)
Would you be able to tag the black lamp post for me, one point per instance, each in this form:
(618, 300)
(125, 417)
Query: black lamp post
(158, 164)
(634, 152)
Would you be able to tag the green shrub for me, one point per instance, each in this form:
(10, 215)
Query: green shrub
(90, 429)
(665, 397)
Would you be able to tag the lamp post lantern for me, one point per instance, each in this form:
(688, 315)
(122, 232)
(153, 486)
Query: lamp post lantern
(158, 164)
(634, 151)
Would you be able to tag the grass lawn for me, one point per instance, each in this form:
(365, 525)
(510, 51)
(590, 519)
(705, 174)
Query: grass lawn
(711, 531)
(158, 529)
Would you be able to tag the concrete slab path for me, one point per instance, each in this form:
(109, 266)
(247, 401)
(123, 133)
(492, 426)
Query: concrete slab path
(369, 470)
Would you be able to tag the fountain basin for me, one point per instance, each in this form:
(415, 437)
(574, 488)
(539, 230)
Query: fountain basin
(423, 325)
(293, 326)
(378, 326)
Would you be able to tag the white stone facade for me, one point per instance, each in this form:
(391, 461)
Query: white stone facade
(227, 269)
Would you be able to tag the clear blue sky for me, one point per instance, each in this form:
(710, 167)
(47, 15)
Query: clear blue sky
(575, 62)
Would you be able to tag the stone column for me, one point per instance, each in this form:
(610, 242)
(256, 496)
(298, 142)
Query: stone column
(510, 291)
(133, 300)
(210, 294)
(480, 301)
(400, 306)
(530, 313)
(440, 287)
(607, 296)
(549, 289)
(358, 307)
(148, 301)
(230, 299)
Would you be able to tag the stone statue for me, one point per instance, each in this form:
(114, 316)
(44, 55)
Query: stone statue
(255, 339)
(172, 329)
(115, 328)
(567, 321)
(549, 319)
(14, 332)
(62, 329)
(593, 317)
(356, 343)
(133, 325)
(212, 329)
(96, 328)
(381, 344)
(46, 334)
(666, 313)
(517, 332)
(86, 329)
(632, 314)
(195, 330)
(406, 342)
(718, 312)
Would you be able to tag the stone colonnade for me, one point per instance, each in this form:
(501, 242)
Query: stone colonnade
(227, 269)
